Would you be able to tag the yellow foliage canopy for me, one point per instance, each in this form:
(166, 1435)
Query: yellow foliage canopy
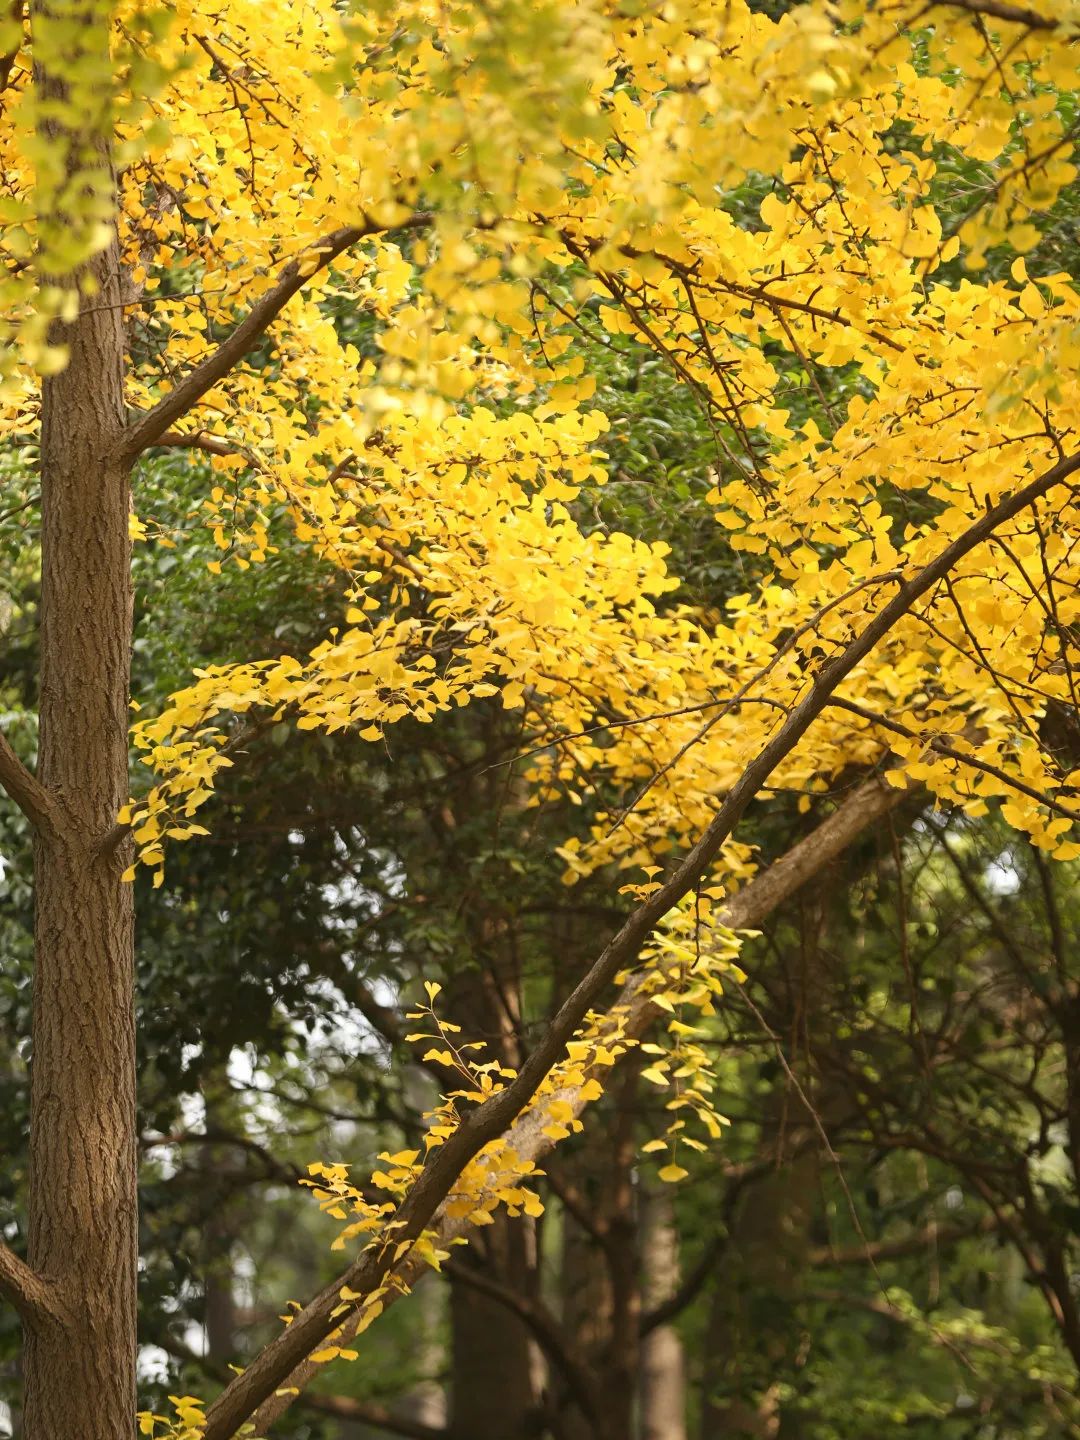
(534, 169)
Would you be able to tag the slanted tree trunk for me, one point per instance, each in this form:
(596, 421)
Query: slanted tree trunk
(83, 1230)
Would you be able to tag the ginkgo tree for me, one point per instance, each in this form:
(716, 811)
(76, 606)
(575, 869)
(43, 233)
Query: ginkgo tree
(347, 255)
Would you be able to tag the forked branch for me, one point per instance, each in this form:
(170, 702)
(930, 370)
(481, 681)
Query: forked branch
(151, 427)
(378, 1417)
(545, 1329)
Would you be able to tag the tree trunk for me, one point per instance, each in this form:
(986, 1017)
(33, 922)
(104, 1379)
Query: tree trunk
(601, 1291)
(754, 1337)
(491, 1389)
(585, 1294)
(83, 1224)
(215, 1165)
(752, 1333)
(493, 1369)
(663, 1378)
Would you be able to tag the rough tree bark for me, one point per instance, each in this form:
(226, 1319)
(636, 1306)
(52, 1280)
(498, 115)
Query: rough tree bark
(83, 1228)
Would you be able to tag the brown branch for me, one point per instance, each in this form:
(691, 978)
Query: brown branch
(759, 296)
(822, 1257)
(880, 1305)
(576, 1206)
(277, 1169)
(383, 1019)
(999, 10)
(687, 1291)
(935, 743)
(342, 1407)
(6, 515)
(368, 1412)
(36, 801)
(33, 1297)
(937, 1235)
(198, 440)
(149, 428)
(869, 802)
(739, 1176)
(260, 1391)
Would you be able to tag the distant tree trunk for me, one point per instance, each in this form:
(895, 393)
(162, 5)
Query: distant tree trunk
(83, 1229)
(219, 1303)
(216, 1162)
(752, 1337)
(426, 1401)
(749, 1338)
(492, 1394)
(663, 1377)
(492, 1390)
(600, 1279)
(14, 1379)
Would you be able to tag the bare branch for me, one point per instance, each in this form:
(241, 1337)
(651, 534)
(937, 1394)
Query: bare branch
(823, 1257)
(275, 1169)
(258, 1390)
(688, 1291)
(150, 427)
(879, 1305)
(369, 1412)
(36, 801)
(868, 803)
(936, 1236)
